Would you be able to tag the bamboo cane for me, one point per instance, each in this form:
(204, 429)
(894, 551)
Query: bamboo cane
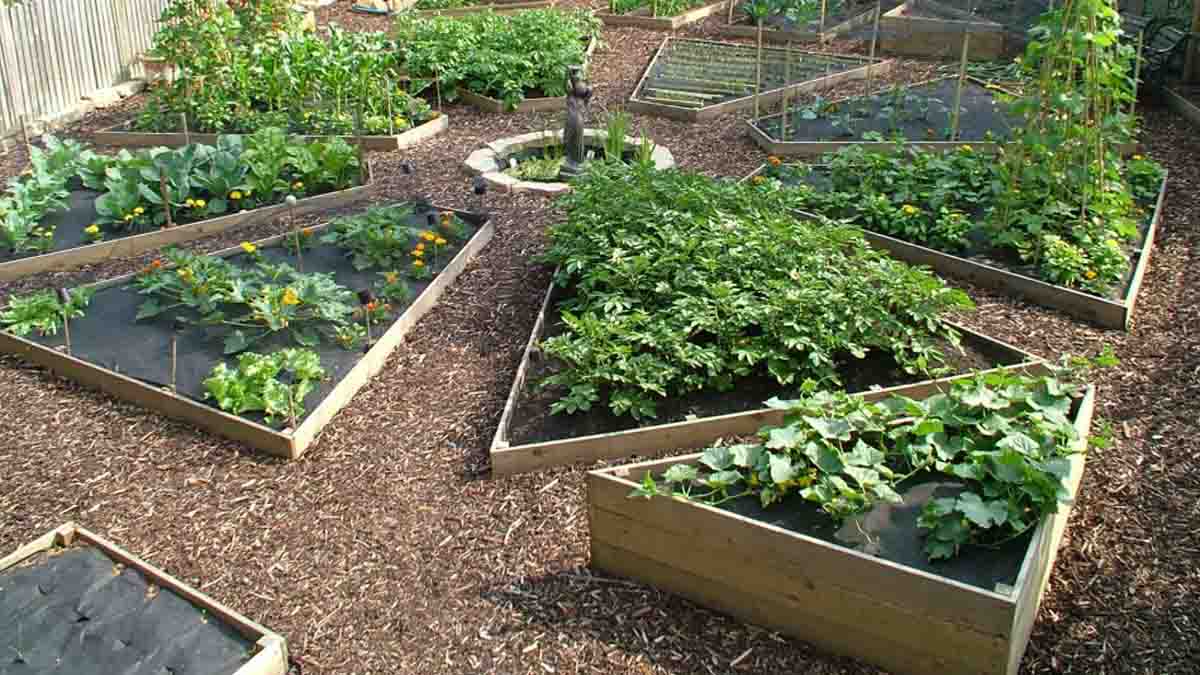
(962, 79)
(1137, 70)
(187, 137)
(758, 68)
(787, 70)
(874, 40)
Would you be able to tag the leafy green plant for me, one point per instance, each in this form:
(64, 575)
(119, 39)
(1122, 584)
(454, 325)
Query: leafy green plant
(253, 302)
(379, 238)
(501, 56)
(43, 311)
(255, 386)
(616, 128)
(1007, 437)
(680, 283)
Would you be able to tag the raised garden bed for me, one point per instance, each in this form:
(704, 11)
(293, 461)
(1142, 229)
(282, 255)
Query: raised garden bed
(786, 569)
(928, 28)
(496, 161)
(71, 601)
(920, 113)
(1178, 100)
(73, 248)
(642, 16)
(122, 135)
(497, 6)
(991, 269)
(845, 19)
(530, 438)
(698, 79)
(532, 102)
(131, 359)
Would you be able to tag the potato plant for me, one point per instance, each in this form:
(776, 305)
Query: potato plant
(501, 56)
(680, 283)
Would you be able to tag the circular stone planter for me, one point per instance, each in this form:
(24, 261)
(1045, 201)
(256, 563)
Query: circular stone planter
(491, 160)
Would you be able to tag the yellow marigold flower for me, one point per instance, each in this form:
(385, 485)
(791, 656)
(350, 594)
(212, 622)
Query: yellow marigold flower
(1138, 158)
(92, 229)
(128, 217)
(418, 263)
(1090, 274)
(428, 236)
(774, 161)
(248, 247)
(200, 203)
(298, 185)
(184, 273)
(391, 277)
(235, 195)
(190, 202)
(759, 180)
(439, 241)
(909, 209)
(290, 297)
(138, 211)
(417, 252)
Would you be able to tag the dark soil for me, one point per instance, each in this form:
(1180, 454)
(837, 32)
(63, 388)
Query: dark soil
(111, 336)
(76, 611)
(532, 421)
(980, 117)
(389, 549)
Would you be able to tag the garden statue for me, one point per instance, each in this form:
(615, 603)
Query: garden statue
(578, 94)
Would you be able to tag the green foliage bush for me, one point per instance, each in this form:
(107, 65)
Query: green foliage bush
(683, 283)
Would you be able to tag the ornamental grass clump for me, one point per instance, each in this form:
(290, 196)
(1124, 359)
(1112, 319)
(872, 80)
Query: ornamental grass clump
(681, 283)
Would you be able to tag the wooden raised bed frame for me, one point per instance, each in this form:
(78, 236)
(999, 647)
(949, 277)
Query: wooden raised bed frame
(281, 443)
(528, 105)
(662, 22)
(765, 98)
(271, 657)
(1114, 314)
(116, 136)
(497, 6)
(510, 459)
(924, 36)
(744, 30)
(903, 619)
(1181, 105)
(124, 247)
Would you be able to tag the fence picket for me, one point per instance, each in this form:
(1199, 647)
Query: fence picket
(54, 52)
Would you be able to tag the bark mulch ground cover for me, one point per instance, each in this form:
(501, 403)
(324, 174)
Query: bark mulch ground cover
(388, 548)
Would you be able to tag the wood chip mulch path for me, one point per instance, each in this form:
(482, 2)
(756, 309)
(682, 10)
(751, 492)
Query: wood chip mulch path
(389, 549)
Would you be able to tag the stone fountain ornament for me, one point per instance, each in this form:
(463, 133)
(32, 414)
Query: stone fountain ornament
(578, 96)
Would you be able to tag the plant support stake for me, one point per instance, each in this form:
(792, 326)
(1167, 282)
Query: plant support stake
(962, 79)
(64, 298)
(1137, 69)
(162, 188)
(187, 136)
(874, 40)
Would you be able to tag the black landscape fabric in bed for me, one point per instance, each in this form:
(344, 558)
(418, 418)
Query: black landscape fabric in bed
(890, 532)
(78, 613)
(108, 335)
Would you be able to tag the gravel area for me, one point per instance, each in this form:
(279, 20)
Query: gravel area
(388, 548)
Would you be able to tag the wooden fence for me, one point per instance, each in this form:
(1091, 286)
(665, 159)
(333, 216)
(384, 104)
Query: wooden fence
(55, 52)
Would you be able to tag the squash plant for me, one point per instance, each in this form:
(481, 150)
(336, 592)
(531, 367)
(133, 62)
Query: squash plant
(1006, 437)
(680, 283)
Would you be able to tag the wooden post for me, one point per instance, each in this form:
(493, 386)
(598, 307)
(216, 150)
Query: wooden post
(821, 30)
(787, 80)
(732, 5)
(874, 40)
(758, 67)
(162, 188)
(962, 79)
(1137, 71)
